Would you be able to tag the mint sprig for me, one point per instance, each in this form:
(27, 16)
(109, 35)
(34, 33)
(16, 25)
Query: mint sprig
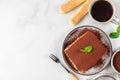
(116, 34)
(118, 29)
(87, 49)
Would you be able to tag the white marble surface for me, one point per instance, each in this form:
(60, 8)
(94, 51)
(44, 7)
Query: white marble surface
(32, 29)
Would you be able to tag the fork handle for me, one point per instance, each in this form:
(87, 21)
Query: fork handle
(73, 76)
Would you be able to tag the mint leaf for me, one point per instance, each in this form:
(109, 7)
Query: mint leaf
(114, 35)
(118, 29)
(87, 49)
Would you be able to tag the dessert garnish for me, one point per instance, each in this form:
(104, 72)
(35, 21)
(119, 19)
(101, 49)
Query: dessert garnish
(115, 34)
(87, 49)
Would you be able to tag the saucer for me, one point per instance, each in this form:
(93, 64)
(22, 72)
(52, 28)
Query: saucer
(73, 35)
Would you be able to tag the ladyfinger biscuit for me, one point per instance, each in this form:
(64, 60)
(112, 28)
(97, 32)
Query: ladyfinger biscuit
(70, 5)
(82, 11)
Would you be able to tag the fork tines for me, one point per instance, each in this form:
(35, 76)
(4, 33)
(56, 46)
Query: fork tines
(54, 58)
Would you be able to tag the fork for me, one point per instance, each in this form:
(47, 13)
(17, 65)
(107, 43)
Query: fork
(55, 59)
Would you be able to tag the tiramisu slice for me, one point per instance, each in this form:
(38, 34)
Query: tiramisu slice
(81, 60)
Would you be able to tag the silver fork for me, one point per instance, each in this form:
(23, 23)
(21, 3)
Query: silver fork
(55, 59)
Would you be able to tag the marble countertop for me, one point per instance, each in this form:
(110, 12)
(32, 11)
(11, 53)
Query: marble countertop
(32, 29)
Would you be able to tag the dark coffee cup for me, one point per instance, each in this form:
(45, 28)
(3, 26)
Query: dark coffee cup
(103, 11)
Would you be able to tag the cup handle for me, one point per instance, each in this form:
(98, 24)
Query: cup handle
(116, 20)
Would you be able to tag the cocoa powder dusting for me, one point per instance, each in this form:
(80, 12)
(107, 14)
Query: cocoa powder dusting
(78, 33)
(116, 61)
(99, 63)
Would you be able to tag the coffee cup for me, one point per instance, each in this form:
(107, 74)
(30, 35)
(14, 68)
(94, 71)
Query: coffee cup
(115, 61)
(103, 11)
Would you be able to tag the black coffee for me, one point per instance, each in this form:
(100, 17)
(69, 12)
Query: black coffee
(102, 10)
